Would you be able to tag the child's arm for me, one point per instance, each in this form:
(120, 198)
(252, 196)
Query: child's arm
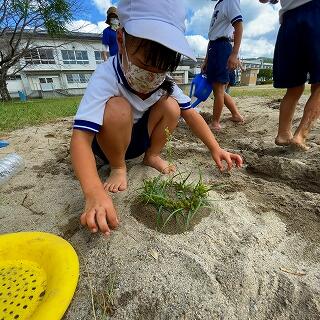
(99, 213)
(200, 128)
(233, 61)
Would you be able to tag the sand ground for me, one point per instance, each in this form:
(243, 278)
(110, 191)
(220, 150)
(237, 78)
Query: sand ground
(254, 255)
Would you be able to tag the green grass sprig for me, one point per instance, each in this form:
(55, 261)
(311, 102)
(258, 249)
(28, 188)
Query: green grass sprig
(175, 198)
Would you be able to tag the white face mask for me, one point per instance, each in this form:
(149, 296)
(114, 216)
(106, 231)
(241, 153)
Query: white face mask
(141, 80)
(114, 23)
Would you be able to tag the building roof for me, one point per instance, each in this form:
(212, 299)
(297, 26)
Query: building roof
(69, 35)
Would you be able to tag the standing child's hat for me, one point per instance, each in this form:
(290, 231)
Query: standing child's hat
(112, 10)
(162, 22)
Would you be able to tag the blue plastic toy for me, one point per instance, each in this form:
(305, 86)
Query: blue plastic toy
(22, 96)
(200, 88)
(3, 143)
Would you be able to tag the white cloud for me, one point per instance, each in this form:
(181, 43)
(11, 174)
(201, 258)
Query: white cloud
(102, 5)
(265, 22)
(86, 26)
(200, 21)
(198, 44)
(256, 48)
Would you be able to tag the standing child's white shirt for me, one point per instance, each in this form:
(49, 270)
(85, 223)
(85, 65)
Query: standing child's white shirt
(108, 81)
(226, 13)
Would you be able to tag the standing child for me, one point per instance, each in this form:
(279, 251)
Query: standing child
(109, 35)
(297, 54)
(222, 57)
(130, 102)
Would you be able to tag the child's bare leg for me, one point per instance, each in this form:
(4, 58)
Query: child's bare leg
(310, 115)
(287, 109)
(218, 90)
(114, 139)
(231, 105)
(164, 114)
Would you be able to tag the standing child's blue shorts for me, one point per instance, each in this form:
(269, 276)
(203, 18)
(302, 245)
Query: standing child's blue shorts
(219, 51)
(140, 140)
(297, 51)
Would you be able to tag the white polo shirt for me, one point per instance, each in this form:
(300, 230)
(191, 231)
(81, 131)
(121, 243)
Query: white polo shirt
(109, 81)
(287, 5)
(225, 14)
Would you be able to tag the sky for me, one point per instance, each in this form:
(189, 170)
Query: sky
(261, 23)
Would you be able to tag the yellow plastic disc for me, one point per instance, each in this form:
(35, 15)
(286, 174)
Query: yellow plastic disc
(38, 276)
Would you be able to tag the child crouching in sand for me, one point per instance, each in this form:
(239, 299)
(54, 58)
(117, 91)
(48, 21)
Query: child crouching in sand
(130, 102)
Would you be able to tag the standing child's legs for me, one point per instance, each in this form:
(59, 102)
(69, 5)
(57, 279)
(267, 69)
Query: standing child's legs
(164, 114)
(221, 98)
(231, 105)
(114, 139)
(218, 74)
(310, 115)
(218, 90)
(287, 109)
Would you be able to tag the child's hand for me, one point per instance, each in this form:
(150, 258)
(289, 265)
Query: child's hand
(204, 67)
(99, 214)
(229, 158)
(233, 61)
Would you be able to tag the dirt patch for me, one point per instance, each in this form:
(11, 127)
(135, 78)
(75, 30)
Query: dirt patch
(253, 255)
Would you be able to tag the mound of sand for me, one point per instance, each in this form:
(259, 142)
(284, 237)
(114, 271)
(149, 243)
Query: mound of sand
(254, 255)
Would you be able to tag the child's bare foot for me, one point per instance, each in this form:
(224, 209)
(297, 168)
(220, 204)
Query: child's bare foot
(117, 180)
(238, 118)
(159, 164)
(284, 140)
(298, 143)
(215, 126)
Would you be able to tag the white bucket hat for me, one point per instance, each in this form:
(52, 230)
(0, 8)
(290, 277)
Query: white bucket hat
(161, 21)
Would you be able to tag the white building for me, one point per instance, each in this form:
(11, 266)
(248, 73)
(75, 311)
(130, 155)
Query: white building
(58, 66)
(63, 66)
(256, 63)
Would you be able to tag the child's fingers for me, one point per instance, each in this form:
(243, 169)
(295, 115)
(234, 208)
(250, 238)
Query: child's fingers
(229, 162)
(102, 221)
(83, 219)
(91, 221)
(219, 164)
(238, 160)
(112, 218)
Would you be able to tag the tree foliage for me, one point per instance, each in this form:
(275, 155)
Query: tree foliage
(265, 74)
(20, 22)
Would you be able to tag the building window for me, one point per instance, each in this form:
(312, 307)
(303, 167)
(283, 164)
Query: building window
(78, 77)
(14, 77)
(40, 56)
(46, 80)
(99, 56)
(75, 57)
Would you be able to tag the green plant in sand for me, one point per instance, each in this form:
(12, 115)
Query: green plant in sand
(175, 198)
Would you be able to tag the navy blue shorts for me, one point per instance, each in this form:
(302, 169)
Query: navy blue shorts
(218, 54)
(297, 51)
(140, 140)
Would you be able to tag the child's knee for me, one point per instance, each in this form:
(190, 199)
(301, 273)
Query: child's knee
(118, 109)
(171, 108)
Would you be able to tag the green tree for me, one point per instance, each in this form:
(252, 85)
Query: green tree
(265, 74)
(20, 22)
